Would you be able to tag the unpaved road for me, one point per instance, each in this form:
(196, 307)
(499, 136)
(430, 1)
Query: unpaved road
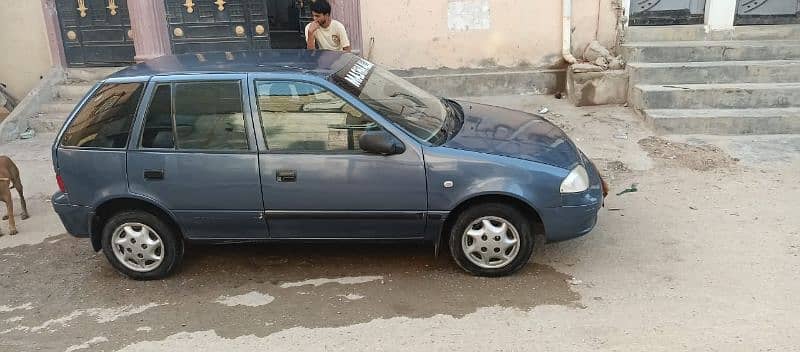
(705, 255)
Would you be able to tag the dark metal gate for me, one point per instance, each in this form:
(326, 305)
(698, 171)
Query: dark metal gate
(208, 25)
(96, 32)
(767, 12)
(667, 12)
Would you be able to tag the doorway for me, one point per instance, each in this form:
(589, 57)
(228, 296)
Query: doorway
(234, 25)
(95, 33)
(667, 12)
(750, 12)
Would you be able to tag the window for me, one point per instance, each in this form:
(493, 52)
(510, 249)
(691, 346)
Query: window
(158, 122)
(404, 104)
(304, 117)
(105, 121)
(196, 116)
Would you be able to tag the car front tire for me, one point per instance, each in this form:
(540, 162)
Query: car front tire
(141, 246)
(491, 239)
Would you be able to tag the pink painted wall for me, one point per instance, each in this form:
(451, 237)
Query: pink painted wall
(415, 33)
(349, 13)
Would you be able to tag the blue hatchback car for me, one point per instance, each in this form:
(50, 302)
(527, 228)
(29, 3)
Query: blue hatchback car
(311, 146)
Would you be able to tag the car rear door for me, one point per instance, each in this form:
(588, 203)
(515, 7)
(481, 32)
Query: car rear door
(316, 181)
(196, 156)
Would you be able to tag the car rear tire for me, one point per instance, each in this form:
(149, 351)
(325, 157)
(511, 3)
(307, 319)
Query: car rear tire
(141, 246)
(491, 239)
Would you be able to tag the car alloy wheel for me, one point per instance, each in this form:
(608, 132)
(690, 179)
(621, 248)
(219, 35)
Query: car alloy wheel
(138, 247)
(490, 242)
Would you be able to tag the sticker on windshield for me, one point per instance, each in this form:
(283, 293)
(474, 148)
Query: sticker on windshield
(356, 76)
(359, 72)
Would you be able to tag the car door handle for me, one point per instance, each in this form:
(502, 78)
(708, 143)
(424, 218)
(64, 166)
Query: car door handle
(286, 175)
(154, 174)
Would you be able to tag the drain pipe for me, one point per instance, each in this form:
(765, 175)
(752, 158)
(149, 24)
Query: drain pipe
(566, 33)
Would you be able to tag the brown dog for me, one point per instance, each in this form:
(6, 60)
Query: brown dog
(9, 178)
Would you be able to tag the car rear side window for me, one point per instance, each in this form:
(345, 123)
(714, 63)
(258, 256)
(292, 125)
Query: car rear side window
(196, 116)
(158, 132)
(106, 118)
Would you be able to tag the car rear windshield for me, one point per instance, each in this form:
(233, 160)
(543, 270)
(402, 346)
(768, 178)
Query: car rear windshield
(106, 118)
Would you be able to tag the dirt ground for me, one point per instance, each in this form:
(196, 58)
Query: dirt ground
(699, 251)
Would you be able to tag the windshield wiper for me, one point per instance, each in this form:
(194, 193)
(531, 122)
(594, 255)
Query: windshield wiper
(410, 97)
(455, 117)
(451, 105)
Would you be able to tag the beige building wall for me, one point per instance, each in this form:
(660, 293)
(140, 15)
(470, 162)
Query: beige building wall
(419, 33)
(24, 49)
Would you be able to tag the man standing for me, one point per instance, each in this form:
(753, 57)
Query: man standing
(325, 32)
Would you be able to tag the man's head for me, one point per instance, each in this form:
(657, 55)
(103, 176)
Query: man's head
(321, 10)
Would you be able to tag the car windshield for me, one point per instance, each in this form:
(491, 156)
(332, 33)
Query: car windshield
(404, 104)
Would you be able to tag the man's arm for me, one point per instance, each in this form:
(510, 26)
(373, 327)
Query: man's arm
(311, 28)
(344, 39)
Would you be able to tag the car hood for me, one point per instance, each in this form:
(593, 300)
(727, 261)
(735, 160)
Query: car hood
(512, 133)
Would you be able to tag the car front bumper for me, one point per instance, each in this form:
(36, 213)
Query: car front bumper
(567, 222)
(577, 214)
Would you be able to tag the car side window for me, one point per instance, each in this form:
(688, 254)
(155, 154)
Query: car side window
(304, 117)
(158, 131)
(106, 118)
(196, 116)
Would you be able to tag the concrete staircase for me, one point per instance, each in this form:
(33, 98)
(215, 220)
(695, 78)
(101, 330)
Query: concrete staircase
(69, 92)
(743, 81)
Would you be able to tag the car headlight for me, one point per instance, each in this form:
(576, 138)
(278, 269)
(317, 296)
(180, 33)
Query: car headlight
(576, 181)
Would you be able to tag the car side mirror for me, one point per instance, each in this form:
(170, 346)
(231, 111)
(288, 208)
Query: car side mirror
(381, 142)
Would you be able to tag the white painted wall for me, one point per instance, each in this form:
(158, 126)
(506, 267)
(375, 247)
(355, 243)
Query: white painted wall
(720, 14)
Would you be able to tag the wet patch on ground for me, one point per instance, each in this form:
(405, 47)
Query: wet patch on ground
(78, 298)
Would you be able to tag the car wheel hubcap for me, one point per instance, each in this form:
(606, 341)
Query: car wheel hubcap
(490, 242)
(138, 247)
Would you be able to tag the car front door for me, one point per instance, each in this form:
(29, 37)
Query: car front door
(197, 157)
(317, 182)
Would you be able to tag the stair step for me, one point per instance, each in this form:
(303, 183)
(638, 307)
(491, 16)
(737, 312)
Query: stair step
(58, 106)
(767, 71)
(691, 51)
(91, 74)
(716, 96)
(73, 91)
(698, 32)
(725, 121)
(47, 122)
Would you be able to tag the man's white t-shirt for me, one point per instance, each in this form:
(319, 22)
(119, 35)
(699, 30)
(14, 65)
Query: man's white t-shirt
(332, 38)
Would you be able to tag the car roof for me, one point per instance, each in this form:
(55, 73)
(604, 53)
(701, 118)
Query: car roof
(313, 62)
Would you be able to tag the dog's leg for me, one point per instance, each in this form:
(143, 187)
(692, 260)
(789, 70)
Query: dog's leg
(4, 186)
(3, 190)
(18, 186)
(12, 226)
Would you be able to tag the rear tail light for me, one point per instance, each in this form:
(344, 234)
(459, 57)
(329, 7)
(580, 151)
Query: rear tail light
(61, 186)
